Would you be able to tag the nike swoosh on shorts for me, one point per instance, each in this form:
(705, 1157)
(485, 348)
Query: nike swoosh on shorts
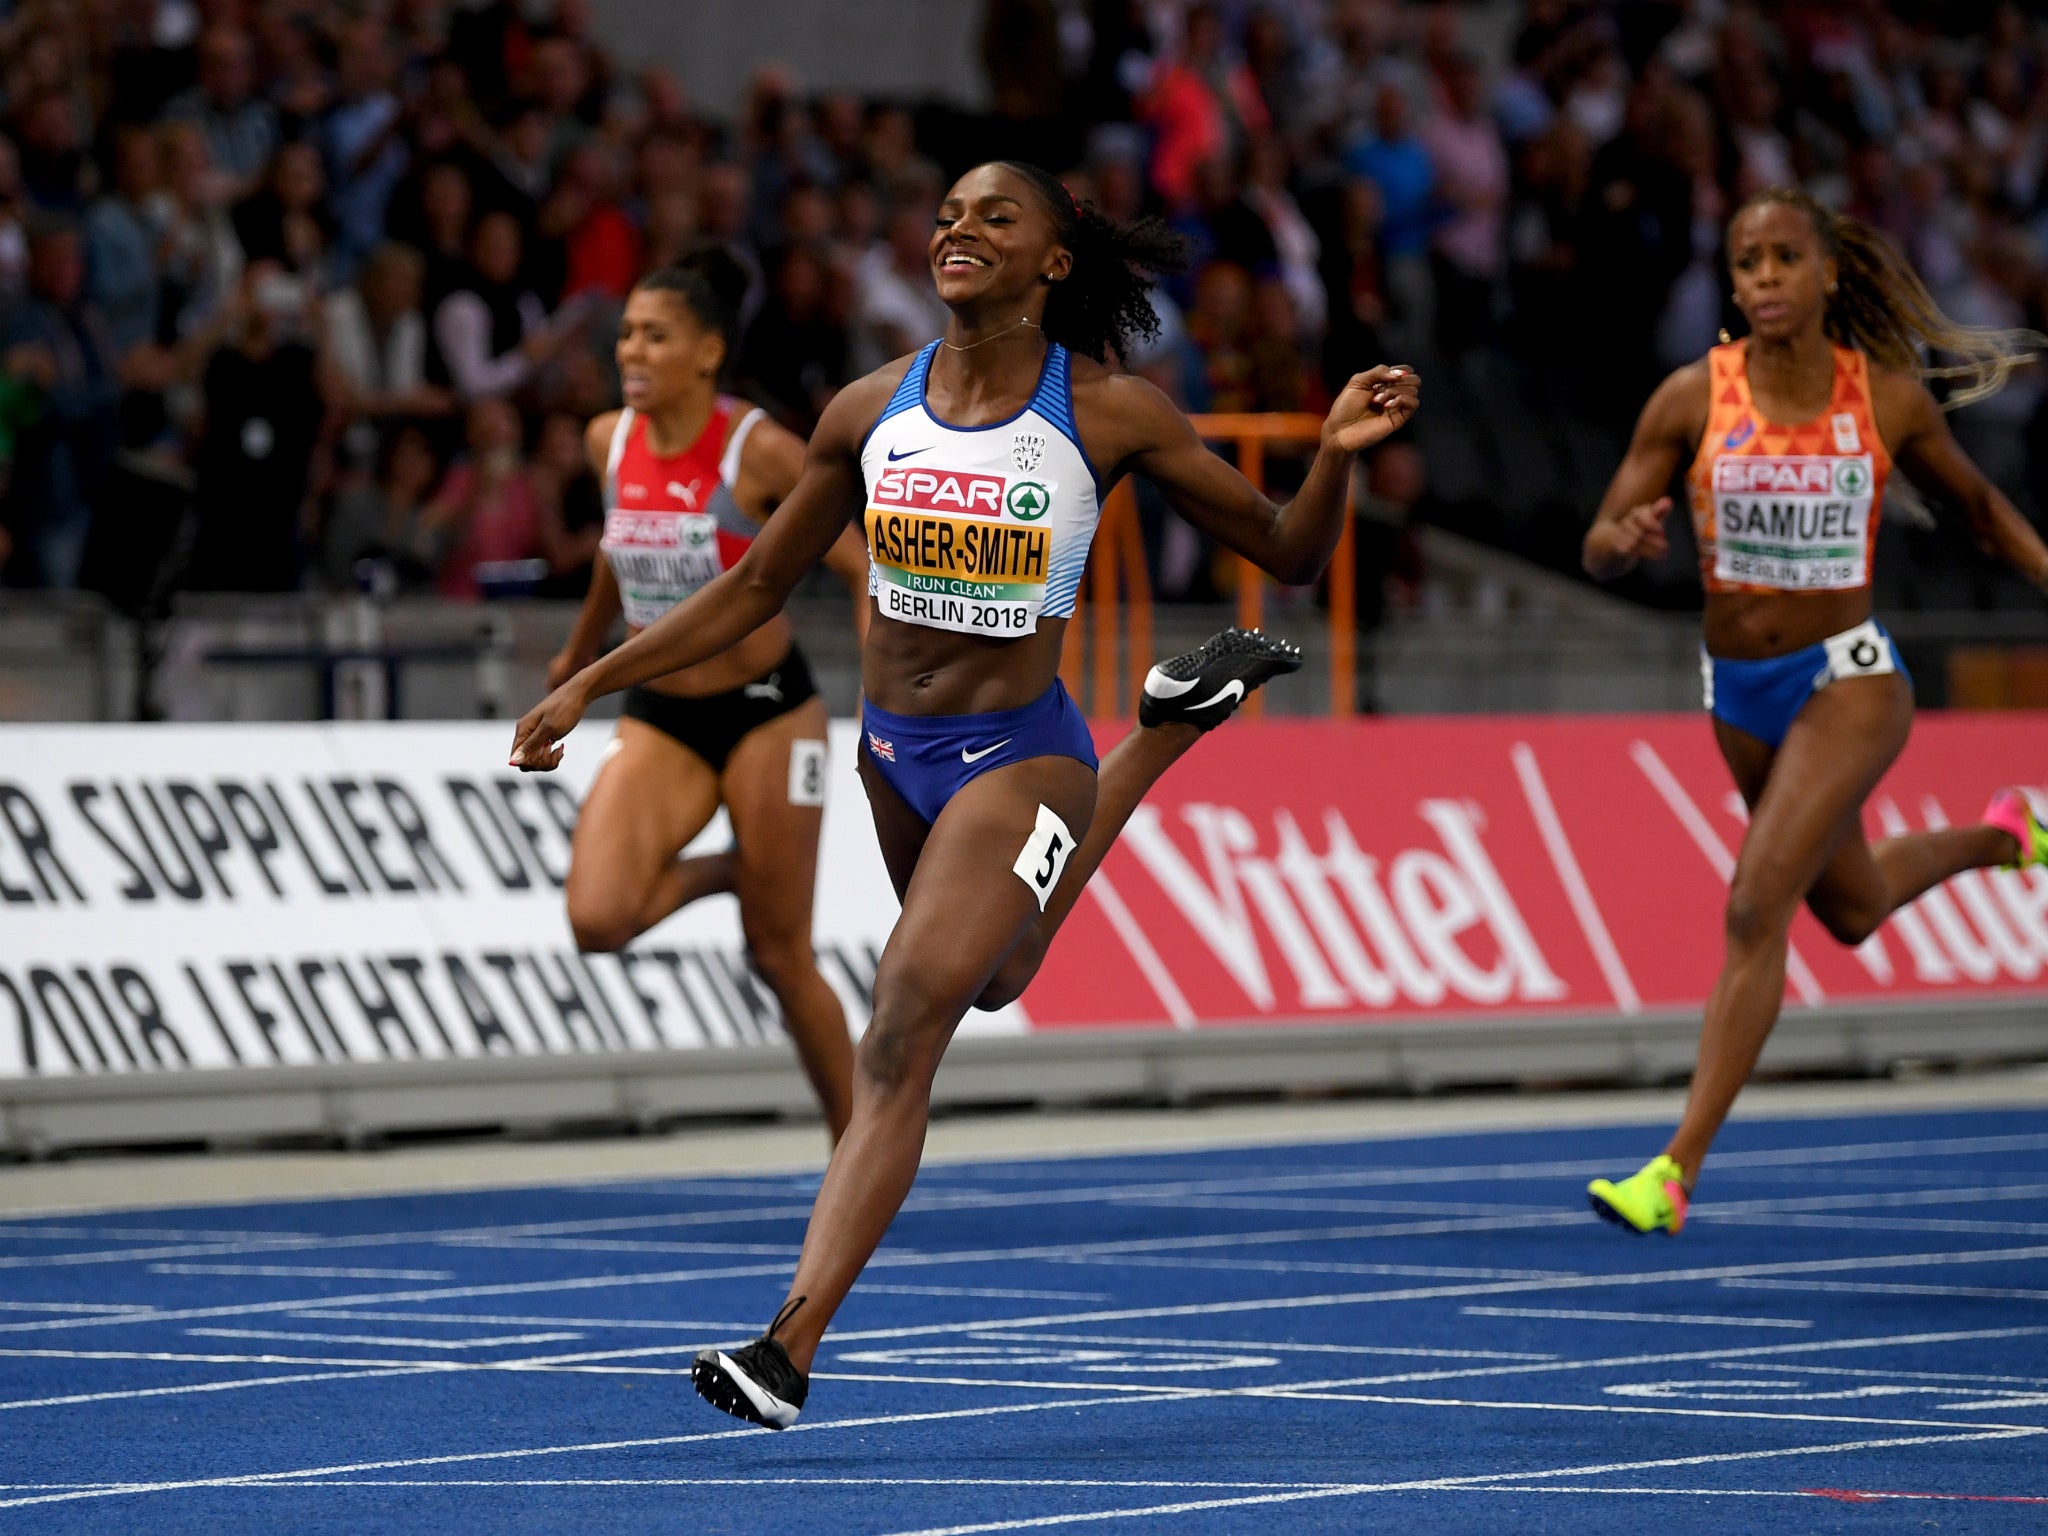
(975, 757)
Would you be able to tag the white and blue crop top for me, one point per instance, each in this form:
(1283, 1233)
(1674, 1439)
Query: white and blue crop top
(979, 529)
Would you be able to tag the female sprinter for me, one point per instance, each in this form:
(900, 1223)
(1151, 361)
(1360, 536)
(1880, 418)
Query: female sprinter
(980, 464)
(1789, 435)
(689, 477)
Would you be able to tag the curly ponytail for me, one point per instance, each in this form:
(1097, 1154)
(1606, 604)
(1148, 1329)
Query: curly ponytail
(1881, 307)
(1103, 304)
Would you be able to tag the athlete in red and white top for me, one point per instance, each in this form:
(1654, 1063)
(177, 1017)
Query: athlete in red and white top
(690, 476)
(1790, 434)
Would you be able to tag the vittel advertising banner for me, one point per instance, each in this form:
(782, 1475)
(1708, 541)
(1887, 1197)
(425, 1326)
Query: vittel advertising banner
(1411, 869)
(247, 897)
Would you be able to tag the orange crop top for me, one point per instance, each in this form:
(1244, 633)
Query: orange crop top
(1787, 509)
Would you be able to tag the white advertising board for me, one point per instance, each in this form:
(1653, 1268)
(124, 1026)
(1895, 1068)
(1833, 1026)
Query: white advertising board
(183, 897)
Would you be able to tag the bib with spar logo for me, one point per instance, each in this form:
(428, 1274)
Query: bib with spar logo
(978, 529)
(671, 523)
(1787, 508)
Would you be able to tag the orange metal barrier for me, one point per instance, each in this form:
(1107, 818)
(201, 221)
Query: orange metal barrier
(1122, 651)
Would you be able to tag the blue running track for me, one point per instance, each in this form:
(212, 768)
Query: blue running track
(1434, 1333)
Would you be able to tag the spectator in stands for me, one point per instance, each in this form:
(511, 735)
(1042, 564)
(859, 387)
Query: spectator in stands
(1395, 160)
(254, 460)
(299, 86)
(571, 505)
(381, 517)
(486, 509)
(123, 231)
(795, 356)
(896, 307)
(1353, 276)
(1219, 323)
(58, 342)
(491, 334)
(52, 140)
(202, 259)
(362, 141)
(1219, 225)
(1470, 168)
(1297, 248)
(600, 245)
(377, 339)
(14, 207)
(1201, 105)
(240, 128)
(285, 220)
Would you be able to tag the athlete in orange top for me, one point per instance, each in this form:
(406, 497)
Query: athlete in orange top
(1790, 435)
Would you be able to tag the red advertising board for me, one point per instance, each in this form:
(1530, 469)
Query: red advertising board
(1297, 871)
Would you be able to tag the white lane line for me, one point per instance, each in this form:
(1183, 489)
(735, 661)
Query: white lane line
(1332, 1203)
(491, 1341)
(151, 1234)
(1935, 1376)
(1718, 858)
(615, 1245)
(1155, 971)
(1286, 1348)
(1393, 1400)
(1692, 1318)
(1352, 1490)
(490, 1320)
(74, 1306)
(1884, 1288)
(1731, 1493)
(301, 1272)
(757, 1482)
(175, 1357)
(994, 1293)
(462, 1458)
(1807, 1159)
(1107, 1315)
(1932, 1225)
(1573, 879)
(1974, 1194)
(131, 1394)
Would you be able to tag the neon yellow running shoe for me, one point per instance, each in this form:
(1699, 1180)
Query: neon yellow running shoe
(1653, 1200)
(2011, 811)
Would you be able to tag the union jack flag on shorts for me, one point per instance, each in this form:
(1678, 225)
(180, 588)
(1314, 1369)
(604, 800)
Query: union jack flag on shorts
(886, 751)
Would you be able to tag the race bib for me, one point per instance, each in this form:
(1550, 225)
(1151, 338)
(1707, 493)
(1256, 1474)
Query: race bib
(1796, 524)
(1865, 651)
(960, 550)
(660, 559)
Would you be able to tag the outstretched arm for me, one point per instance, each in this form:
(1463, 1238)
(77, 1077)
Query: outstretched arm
(1630, 526)
(1935, 462)
(1293, 542)
(733, 605)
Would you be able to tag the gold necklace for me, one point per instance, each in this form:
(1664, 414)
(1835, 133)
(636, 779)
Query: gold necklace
(999, 335)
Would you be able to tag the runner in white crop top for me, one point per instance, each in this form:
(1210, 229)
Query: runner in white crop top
(980, 776)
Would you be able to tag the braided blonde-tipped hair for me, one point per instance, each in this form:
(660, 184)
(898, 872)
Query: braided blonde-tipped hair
(1880, 306)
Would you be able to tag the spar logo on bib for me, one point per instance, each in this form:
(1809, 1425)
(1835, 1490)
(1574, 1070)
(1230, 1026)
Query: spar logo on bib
(1852, 477)
(959, 491)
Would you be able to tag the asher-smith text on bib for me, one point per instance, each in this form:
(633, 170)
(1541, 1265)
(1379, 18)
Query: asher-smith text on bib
(960, 549)
(980, 530)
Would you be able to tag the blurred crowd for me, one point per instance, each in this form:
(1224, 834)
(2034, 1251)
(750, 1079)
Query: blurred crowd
(311, 292)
